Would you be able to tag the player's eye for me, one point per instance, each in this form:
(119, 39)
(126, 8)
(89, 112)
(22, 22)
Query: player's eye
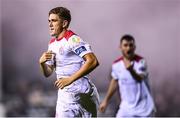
(125, 45)
(131, 45)
(54, 20)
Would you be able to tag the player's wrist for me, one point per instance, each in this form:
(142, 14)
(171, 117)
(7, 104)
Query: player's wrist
(106, 100)
(72, 78)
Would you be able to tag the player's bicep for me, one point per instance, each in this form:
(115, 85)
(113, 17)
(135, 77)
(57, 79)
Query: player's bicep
(114, 83)
(89, 57)
(114, 75)
(114, 79)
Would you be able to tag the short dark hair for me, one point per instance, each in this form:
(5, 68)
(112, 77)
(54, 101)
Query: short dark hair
(62, 12)
(127, 37)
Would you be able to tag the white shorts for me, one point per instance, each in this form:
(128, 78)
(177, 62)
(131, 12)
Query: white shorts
(122, 114)
(77, 104)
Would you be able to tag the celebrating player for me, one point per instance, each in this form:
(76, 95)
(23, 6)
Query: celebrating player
(130, 73)
(72, 59)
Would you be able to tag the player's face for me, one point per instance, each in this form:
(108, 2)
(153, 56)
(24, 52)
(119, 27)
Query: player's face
(127, 48)
(55, 25)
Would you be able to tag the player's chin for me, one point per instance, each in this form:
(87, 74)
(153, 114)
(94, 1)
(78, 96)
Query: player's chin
(128, 56)
(52, 34)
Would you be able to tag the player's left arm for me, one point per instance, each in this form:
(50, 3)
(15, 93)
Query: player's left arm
(90, 64)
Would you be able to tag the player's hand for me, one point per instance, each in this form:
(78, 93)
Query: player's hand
(46, 56)
(102, 106)
(63, 82)
(128, 64)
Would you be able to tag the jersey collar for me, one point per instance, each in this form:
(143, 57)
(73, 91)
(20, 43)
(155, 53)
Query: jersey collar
(67, 35)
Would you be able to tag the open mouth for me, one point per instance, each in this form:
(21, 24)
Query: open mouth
(129, 52)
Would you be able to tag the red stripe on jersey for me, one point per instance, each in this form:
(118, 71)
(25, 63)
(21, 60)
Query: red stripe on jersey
(67, 35)
(52, 40)
(137, 58)
(117, 60)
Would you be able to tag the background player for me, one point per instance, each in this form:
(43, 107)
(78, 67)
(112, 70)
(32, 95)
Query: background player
(72, 59)
(130, 73)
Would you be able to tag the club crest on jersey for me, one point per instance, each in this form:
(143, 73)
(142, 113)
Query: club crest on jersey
(61, 50)
(80, 50)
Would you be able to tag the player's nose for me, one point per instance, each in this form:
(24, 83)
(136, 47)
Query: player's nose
(50, 24)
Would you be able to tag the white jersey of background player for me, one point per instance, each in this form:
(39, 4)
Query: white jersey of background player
(73, 59)
(130, 73)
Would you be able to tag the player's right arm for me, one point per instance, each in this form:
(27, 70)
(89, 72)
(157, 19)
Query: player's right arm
(46, 69)
(111, 90)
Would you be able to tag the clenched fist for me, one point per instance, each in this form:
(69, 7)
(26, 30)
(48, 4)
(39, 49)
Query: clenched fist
(103, 105)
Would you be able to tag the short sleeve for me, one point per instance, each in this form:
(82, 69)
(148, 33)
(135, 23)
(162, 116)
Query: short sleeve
(79, 46)
(142, 68)
(113, 74)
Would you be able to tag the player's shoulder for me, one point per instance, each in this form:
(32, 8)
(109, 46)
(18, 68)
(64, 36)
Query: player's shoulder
(117, 61)
(69, 34)
(138, 58)
(72, 37)
(52, 40)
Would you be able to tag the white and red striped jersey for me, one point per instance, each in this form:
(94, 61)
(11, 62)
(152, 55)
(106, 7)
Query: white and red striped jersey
(136, 99)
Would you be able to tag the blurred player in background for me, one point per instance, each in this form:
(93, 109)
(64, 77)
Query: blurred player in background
(72, 59)
(130, 73)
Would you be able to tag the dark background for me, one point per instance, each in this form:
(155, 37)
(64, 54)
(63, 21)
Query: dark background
(155, 24)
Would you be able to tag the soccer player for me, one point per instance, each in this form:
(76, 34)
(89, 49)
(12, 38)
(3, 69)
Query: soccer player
(130, 73)
(72, 59)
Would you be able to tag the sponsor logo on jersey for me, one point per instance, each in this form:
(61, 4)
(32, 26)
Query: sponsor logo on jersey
(80, 50)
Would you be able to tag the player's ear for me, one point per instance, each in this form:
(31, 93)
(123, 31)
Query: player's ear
(65, 23)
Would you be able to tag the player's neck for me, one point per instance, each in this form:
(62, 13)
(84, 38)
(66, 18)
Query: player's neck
(61, 34)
